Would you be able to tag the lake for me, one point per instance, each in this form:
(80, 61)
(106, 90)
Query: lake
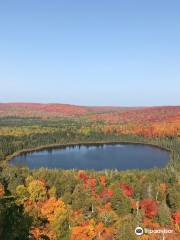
(97, 157)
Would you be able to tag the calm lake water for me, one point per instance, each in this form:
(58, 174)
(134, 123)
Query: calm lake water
(97, 157)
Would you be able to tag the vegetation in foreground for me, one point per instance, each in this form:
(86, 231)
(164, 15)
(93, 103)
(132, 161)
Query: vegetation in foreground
(80, 205)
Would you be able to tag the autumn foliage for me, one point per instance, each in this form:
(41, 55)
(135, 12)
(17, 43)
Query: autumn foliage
(90, 230)
(88, 205)
(127, 190)
(150, 207)
(2, 192)
(147, 121)
(177, 217)
(99, 214)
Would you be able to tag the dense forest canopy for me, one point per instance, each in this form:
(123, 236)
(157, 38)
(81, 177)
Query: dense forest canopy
(79, 205)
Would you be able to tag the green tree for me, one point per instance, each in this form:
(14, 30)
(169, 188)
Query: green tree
(120, 204)
(164, 215)
(14, 223)
(124, 229)
(78, 197)
(173, 198)
(22, 194)
(2, 155)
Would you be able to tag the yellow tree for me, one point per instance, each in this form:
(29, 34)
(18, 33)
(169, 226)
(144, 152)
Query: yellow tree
(57, 214)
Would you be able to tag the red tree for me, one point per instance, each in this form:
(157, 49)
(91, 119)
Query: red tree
(177, 217)
(150, 207)
(126, 189)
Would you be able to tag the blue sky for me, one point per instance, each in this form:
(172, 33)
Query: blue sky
(96, 52)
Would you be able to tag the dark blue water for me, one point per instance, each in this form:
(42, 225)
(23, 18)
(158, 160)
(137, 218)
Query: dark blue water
(107, 156)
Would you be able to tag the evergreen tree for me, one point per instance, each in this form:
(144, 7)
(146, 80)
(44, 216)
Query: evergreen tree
(164, 215)
(120, 204)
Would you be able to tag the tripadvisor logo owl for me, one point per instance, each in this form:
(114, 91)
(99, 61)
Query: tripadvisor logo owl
(139, 231)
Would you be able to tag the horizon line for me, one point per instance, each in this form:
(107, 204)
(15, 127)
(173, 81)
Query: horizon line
(72, 104)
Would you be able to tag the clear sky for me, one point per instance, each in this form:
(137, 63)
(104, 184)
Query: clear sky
(90, 52)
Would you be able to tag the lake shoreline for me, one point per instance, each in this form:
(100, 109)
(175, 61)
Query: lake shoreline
(73, 144)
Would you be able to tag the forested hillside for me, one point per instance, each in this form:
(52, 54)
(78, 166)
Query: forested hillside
(87, 205)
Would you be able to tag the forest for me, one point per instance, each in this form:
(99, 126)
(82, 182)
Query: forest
(46, 204)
